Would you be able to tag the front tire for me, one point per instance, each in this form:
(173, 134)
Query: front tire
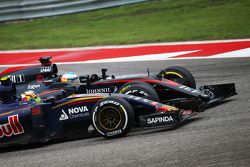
(140, 89)
(180, 75)
(112, 117)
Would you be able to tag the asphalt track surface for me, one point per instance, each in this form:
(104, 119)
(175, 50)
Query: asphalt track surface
(218, 137)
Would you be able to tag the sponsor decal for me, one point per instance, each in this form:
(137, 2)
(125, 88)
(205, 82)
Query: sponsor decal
(110, 102)
(64, 116)
(115, 89)
(33, 86)
(189, 89)
(75, 112)
(113, 133)
(142, 99)
(45, 69)
(19, 78)
(159, 119)
(137, 92)
(13, 127)
(100, 90)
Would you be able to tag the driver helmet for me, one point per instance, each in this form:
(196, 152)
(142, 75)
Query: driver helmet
(7, 90)
(69, 77)
(30, 95)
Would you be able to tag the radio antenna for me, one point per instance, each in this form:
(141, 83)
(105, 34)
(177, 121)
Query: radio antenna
(148, 72)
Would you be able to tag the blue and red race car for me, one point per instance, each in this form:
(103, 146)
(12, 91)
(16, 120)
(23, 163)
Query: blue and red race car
(59, 109)
(112, 116)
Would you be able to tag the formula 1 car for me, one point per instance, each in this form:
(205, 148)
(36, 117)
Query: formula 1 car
(172, 86)
(112, 116)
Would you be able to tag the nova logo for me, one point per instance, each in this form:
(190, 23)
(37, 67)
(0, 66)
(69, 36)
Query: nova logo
(77, 110)
(13, 127)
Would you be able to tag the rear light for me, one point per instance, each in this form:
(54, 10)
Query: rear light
(36, 111)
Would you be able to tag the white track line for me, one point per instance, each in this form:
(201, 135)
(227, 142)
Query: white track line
(123, 46)
(154, 57)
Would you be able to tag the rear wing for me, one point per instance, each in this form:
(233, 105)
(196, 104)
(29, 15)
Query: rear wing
(45, 61)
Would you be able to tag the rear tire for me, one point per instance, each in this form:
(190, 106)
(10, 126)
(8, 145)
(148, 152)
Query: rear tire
(180, 75)
(112, 117)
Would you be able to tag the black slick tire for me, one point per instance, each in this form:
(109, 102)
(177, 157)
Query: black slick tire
(112, 117)
(140, 89)
(180, 75)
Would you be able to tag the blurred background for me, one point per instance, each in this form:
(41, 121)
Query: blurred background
(29, 24)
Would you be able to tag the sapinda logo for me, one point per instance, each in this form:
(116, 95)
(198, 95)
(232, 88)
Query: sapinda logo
(12, 127)
(159, 119)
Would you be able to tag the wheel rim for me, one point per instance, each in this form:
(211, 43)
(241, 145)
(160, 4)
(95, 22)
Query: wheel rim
(110, 118)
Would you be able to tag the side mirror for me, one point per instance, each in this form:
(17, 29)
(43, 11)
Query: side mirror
(85, 79)
(104, 75)
(54, 69)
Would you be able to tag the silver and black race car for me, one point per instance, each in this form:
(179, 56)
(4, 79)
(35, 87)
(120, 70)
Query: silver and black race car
(172, 86)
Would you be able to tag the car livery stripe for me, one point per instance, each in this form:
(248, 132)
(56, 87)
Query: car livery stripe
(12, 111)
(116, 81)
(50, 91)
(169, 82)
(13, 69)
(77, 100)
(85, 101)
